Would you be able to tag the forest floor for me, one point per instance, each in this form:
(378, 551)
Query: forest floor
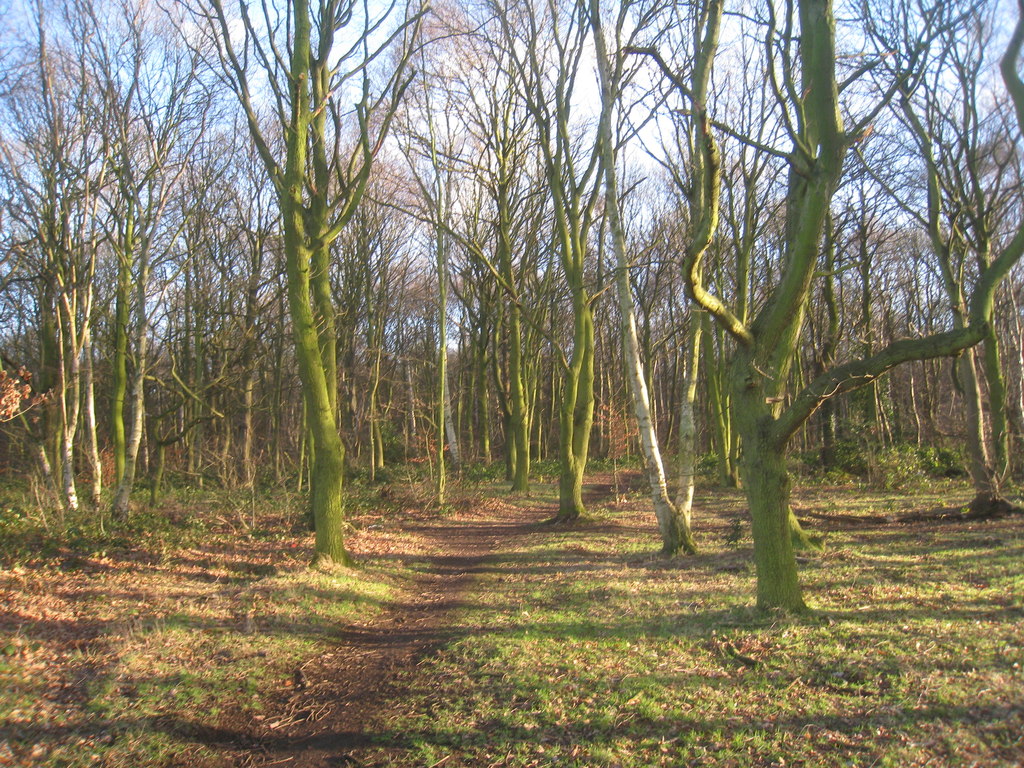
(482, 635)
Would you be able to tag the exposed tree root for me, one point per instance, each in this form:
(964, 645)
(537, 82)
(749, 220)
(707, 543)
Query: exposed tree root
(985, 506)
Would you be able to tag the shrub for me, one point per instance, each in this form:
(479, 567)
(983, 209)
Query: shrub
(707, 465)
(850, 457)
(942, 462)
(898, 468)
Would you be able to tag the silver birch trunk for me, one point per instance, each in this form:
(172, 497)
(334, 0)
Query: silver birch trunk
(91, 439)
(687, 423)
(674, 529)
(449, 424)
(70, 380)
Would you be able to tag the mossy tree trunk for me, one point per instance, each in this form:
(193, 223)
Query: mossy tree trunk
(767, 485)
(136, 392)
(576, 411)
(518, 437)
(318, 192)
(545, 71)
(723, 430)
(119, 371)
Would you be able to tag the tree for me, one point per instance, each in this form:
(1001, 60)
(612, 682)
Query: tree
(968, 152)
(54, 168)
(156, 109)
(673, 522)
(328, 154)
(432, 154)
(546, 43)
(808, 92)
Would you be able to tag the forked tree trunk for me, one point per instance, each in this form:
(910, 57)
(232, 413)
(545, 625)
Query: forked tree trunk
(987, 458)
(766, 481)
(998, 407)
(327, 465)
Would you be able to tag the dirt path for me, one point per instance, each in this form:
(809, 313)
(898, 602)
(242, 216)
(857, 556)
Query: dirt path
(322, 719)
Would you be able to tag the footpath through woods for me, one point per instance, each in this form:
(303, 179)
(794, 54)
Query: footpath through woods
(521, 643)
(324, 719)
(485, 637)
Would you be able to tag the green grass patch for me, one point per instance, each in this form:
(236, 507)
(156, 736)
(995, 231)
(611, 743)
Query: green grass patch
(149, 644)
(581, 648)
(576, 645)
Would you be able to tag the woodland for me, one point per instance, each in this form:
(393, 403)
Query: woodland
(360, 295)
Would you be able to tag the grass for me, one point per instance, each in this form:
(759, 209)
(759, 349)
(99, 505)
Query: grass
(129, 649)
(575, 647)
(583, 650)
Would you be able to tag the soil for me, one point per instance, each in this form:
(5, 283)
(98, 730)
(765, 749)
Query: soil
(321, 720)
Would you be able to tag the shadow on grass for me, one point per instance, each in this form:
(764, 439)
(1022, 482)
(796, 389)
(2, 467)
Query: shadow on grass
(868, 729)
(100, 734)
(694, 615)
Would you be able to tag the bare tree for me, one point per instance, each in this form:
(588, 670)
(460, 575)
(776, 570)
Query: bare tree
(319, 62)
(54, 166)
(968, 152)
(808, 89)
(673, 521)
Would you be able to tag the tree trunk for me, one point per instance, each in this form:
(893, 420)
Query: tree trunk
(979, 457)
(482, 399)
(410, 420)
(997, 403)
(451, 431)
(378, 453)
(687, 459)
(518, 421)
(136, 394)
(576, 415)
(767, 482)
(674, 527)
(91, 438)
(723, 429)
(119, 373)
(157, 475)
(442, 412)
(327, 467)
(248, 431)
(767, 485)
(68, 393)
